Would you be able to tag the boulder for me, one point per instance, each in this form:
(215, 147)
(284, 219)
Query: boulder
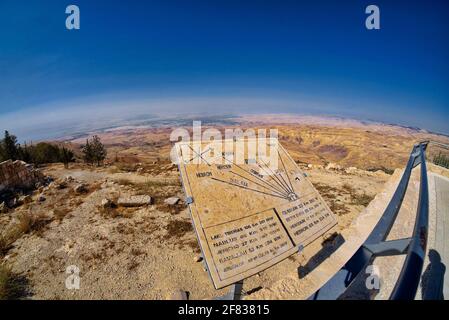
(3, 208)
(106, 203)
(351, 170)
(380, 173)
(61, 185)
(333, 166)
(172, 201)
(197, 258)
(135, 201)
(81, 188)
(25, 199)
(69, 179)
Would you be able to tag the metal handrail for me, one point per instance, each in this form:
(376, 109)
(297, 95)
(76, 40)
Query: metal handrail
(345, 283)
(440, 144)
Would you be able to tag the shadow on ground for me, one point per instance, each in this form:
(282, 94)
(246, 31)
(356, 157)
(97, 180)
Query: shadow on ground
(329, 247)
(433, 278)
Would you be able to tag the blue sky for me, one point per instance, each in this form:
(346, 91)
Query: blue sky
(301, 56)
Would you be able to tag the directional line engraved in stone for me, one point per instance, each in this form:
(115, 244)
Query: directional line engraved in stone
(275, 175)
(272, 190)
(273, 187)
(249, 189)
(275, 180)
(251, 174)
(285, 170)
(279, 174)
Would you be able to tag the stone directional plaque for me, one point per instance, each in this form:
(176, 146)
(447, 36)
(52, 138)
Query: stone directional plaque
(251, 205)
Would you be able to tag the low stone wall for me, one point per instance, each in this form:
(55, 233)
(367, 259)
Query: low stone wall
(18, 174)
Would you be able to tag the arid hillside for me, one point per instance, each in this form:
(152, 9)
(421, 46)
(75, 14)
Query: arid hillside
(310, 140)
(146, 251)
(127, 229)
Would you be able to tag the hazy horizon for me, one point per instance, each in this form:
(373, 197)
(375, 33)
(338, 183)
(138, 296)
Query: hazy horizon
(50, 123)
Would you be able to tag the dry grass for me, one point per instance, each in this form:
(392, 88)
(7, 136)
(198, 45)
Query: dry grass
(362, 199)
(125, 167)
(126, 182)
(384, 169)
(177, 229)
(137, 252)
(29, 222)
(338, 208)
(330, 196)
(357, 199)
(109, 212)
(8, 238)
(159, 191)
(348, 188)
(193, 244)
(12, 286)
(133, 264)
(60, 213)
(172, 209)
(149, 185)
(326, 191)
(114, 211)
(89, 189)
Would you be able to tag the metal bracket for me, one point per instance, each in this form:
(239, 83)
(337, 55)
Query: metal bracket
(417, 162)
(235, 293)
(389, 248)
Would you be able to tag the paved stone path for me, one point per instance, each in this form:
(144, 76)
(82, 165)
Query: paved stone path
(438, 254)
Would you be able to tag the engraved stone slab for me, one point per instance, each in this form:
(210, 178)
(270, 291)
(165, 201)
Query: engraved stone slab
(251, 205)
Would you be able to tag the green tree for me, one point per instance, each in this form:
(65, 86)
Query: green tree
(94, 151)
(66, 156)
(87, 152)
(45, 153)
(2, 152)
(98, 150)
(10, 147)
(25, 153)
(41, 153)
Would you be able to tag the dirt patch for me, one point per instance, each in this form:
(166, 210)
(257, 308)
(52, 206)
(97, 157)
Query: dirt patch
(60, 213)
(172, 209)
(330, 195)
(333, 152)
(177, 229)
